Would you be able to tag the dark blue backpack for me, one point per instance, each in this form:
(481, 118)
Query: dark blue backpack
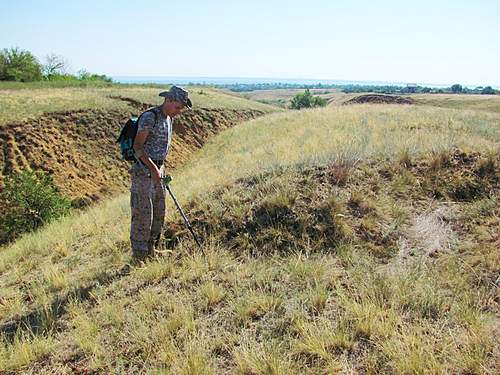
(128, 133)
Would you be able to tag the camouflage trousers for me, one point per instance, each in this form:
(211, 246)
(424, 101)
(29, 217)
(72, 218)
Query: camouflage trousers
(147, 203)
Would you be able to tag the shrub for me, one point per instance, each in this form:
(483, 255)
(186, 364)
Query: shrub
(19, 65)
(306, 100)
(83, 75)
(29, 199)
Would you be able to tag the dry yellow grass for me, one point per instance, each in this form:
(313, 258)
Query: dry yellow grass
(488, 103)
(320, 136)
(18, 104)
(282, 97)
(227, 311)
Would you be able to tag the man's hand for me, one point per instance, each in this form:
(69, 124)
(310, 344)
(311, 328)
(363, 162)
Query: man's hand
(167, 179)
(155, 174)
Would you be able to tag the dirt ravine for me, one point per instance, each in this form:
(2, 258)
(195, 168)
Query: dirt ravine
(79, 147)
(379, 99)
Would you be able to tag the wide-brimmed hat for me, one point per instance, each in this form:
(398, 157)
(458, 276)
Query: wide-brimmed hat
(177, 94)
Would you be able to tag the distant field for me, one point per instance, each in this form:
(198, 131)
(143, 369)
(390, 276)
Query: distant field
(490, 103)
(17, 104)
(282, 97)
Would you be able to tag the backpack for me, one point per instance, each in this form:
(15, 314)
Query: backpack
(128, 133)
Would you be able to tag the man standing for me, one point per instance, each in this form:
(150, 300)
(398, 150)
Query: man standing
(151, 146)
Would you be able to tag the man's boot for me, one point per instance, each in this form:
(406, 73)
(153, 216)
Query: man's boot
(154, 244)
(139, 257)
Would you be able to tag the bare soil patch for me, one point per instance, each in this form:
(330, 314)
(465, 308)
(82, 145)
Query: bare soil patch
(379, 99)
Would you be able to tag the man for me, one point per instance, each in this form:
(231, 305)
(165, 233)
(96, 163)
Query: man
(151, 146)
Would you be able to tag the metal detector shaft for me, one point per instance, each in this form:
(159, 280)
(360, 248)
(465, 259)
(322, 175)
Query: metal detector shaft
(186, 221)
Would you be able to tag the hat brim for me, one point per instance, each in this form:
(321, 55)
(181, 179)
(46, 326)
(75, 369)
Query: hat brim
(187, 103)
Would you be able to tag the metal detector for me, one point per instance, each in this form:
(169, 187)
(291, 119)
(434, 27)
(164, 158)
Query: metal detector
(167, 179)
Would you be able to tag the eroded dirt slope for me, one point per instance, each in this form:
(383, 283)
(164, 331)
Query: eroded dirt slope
(79, 148)
(379, 99)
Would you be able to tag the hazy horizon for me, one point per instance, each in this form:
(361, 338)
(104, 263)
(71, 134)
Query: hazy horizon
(442, 42)
(283, 80)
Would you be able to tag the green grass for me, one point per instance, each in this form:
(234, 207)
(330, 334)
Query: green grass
(304, 218)
(21, 104)
(15, 85)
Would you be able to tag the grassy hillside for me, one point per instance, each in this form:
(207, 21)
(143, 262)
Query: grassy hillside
(349, 239)
(20, 104)
(489, 103)
(282, 97)
(337, 134)
(70, 132)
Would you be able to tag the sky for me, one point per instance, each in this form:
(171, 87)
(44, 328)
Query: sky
(438, 41)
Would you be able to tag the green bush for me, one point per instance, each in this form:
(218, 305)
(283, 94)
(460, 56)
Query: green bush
(83, 75)
(19, 65)
(306, 100)
(28, 200)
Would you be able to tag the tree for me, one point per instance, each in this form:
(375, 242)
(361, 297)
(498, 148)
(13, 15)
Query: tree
(19, 65)
(306, 100)
(301, 100)
(488, 90)
(55, 65)
(456, 88)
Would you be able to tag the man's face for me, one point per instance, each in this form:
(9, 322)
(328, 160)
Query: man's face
(173, 108)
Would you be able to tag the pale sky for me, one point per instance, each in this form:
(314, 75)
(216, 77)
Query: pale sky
(439, 41)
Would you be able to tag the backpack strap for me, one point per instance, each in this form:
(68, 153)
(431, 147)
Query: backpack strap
(154, 110)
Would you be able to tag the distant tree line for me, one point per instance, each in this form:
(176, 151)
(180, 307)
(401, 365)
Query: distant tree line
(354, 88)
(22, 66)
(458, 89)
